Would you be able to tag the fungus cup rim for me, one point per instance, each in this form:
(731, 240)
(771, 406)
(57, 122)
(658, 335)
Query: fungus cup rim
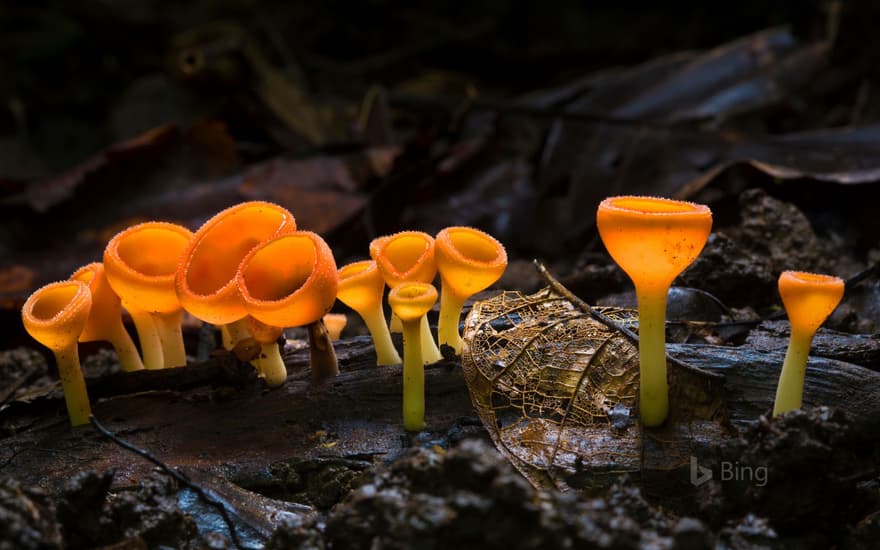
(313, 283)
(444, 243)
(82, 294)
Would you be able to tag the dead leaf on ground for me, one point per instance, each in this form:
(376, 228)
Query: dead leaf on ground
(557, 392)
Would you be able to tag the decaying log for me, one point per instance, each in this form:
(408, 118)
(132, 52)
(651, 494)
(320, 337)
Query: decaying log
(751, 377)
(237, 433)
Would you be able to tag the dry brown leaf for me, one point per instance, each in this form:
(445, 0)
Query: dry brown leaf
(557, 391)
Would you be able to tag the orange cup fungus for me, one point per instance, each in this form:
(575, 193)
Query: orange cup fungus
(408, 257)
(289, 281)
(105, 317)
(411, 302)
(205, 279)
(469, 261)
(335, 323)
(140, 263)
(809, 298)
(55, 316)
(361, 288)
(653, 240)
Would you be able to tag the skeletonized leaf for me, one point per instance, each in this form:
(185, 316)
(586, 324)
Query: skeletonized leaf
(557, 391)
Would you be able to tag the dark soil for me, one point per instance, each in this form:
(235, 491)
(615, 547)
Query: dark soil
(469, 495)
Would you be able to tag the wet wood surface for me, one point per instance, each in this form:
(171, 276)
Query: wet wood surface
(236, 429)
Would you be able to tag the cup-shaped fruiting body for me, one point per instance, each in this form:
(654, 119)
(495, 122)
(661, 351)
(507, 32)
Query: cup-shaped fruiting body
(408, 257)
(653, 240)
(291, 281)
(105, 317)
(361, 287)
(469, 261)
(335, 323)
(411, 302)
(809, 298)
(55, 316)
(140, 263)
(206, 276)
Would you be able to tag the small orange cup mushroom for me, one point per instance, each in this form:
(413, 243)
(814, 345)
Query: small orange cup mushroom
(105, 317)
(653, 240)
(408, 257)
(140, 263)
(469, 261)
(205, 278)
(291, 281)
(361, 287)
(809, 298)
(411, 302)
(335, 323)
(55, 315)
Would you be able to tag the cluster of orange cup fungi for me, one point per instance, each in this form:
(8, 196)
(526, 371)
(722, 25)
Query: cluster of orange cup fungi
(468, 261)
(653, 240)
(250, 271)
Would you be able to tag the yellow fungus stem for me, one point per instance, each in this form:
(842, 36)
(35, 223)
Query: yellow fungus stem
(394, 325)
(790, 390)
(148, 335)
(430, 353)
(129, 359)
(413, 377)
(75, 395)
(234, 332)
(653, 386)
(450, 315)
(271, 365)
(386, 354)
(171, 338)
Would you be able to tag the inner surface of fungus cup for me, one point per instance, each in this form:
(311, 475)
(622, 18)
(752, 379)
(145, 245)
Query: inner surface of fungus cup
(408, 257)
(206, 276)
(105, 317)
(809, 298)
(55, 316)
(292, 281)
(411, 302)
(653, 240)
(361, 288)
(140, 263)
(469, 261)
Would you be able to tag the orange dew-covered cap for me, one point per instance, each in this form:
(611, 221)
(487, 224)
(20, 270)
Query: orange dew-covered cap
(141, 261)
(407, 256)
(653, 239)
(360, 285)
(290, 280)
(469, 260)
(56, 314)
(410, 301)
(205, 278)
(809, 298)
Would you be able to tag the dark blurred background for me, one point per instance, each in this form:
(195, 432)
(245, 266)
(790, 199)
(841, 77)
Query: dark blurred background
(77, 76)
(369, 117)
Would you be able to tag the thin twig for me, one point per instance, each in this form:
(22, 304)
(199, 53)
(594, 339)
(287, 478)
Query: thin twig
(560, 289)
(176, 474)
